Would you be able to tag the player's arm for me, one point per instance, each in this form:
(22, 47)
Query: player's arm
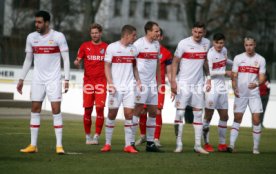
(26, 67)
(207, 72)
(168, 72)
(261, 76)
(66, 67)
(235, 84)
(107, 70)
(175, 64)
(136, 76)
(158, 73)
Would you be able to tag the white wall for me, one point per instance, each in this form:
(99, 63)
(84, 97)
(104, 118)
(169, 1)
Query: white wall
(72, 101)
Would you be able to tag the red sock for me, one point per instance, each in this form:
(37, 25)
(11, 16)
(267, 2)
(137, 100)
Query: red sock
(158, 126)
(143, 123)
(99, 120)
(87, 120)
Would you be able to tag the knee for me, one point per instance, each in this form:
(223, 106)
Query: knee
(55, 110)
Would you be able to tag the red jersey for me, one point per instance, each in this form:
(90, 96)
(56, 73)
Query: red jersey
(93, 56)
(166, 59)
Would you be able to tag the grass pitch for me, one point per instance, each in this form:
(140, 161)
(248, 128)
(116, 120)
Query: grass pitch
(14, 135)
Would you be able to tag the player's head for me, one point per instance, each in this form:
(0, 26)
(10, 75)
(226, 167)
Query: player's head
(218, 41)
(128, 33)
(152, 30)
(96, 32)
(160, 36)
(42, 21)
(249, 45)
(198, 31)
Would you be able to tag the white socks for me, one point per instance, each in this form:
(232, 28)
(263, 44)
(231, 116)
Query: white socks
(198, 125)
(135, 122)
(58, 125)
(178, 126)
(256, 136)
(222, 128)
(109, 127)
(234, 134)
(128, 132)
(34, 127)
(151, 122)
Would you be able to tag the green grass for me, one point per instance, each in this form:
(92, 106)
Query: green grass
(14, 135)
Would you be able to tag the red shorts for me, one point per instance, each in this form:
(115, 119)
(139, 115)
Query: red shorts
(94, 92)
(161, 98)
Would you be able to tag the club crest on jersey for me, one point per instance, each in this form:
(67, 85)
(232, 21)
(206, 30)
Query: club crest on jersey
(102, 51)
(51, 42)
(205, 47)
(256, 64)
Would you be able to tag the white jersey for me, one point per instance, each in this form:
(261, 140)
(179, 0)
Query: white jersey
(248, 69)
(217, 65)
(149, 54)
(192, 55)
(122, 59)
(46, 50)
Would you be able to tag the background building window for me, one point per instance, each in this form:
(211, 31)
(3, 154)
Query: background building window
(163, 10)
(147, 9)
(117, 7)
(132, 8)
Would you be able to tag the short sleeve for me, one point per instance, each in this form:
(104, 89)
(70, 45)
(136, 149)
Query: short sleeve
(62, 44)
(28, 48)
(178, 52)
(210, 61)
(235, 65)
(81, 51)
(108, 54)
(262, 66)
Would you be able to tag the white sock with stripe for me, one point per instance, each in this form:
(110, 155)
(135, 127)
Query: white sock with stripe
(109, 127)
(178, 126)
(234, 134)
(34, 127)
(198, 125)
(151, 122)
(222, 128)
(58, 125)
(257, 130)
(135, 122)
(128, 132)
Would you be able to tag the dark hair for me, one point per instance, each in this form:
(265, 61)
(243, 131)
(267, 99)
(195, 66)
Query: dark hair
(161, 31)
(218, 36)
(97, 26)
(149, 25)
(199, 25)
(127, 29)
(44, 14)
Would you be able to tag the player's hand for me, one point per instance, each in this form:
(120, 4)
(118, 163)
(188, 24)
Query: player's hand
(77, 63)
(66, 86)
(228, 73)
(174, 87)
(139, 85)
(252, 85)
(172, 96)
(236, 92)
(208, 85)
(111, 89)
(20, 86)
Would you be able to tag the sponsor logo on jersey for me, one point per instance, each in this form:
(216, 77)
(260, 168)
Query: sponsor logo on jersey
(95, 57)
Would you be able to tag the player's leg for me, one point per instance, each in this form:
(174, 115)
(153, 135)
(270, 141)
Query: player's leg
(206, 129)
(38, 92)
(157, 133)
(222, 128)
(256, 108)
(142, 125)
(88, 103)
(128, 112)
(100, 97)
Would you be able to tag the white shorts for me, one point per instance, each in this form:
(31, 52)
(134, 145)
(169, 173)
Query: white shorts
(52, 89)
(148, 95)
(216, 100)
(127, 98)
(254, 103)
(190, 96)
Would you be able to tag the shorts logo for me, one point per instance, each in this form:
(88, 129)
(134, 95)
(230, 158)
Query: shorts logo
(111, 101)
(177, 103)
(210, 103)
(138, 97)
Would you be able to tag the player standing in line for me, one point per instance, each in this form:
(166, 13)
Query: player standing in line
(247, 73)
(46, 46)
(165, 68)
(191, 53)
(217, 97)
(148, 65)
(121, 73)
(94, 81)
